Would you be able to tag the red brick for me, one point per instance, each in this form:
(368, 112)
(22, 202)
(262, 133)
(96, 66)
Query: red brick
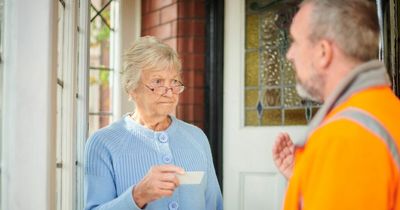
(151, 19)
(184, 27)
(199, 45)
(198, 96)
(185, 45)
(200, 9)
(178, 112)
(185, 113)
(169, 13)
(198, 113)
(145, 32)
(158, 4)
(172, 42)
(199, 79)
(187, 96)
(186, 9)
(188, 78)
(190, 113)
(199, 28)
(174, 28)
(145, 6)
(162, 31)
(199, 61)
(191, 27)
(187, 61)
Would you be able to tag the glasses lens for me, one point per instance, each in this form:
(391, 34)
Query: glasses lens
(178, 89)
(163, 90)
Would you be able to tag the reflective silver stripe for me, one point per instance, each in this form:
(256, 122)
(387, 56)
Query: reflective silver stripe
(370, 123)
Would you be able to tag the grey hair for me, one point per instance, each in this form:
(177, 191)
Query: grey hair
(147, 54)
(352, 24)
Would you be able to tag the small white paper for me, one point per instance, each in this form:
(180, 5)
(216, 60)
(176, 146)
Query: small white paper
(190, 177)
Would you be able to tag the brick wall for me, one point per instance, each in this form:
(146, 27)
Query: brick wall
(181, 24)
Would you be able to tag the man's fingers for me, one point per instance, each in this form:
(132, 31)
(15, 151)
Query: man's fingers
(288, 160)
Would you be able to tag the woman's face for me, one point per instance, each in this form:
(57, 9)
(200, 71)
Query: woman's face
(154, 96)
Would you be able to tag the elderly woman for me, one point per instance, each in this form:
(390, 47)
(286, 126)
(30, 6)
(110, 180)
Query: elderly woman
(134, 162)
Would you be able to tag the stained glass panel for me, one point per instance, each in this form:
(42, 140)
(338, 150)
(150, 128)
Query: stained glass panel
(251, 117)
(252, 31)
(251, 98)
(252, 68)
(272, 97)
(270, 81)
(271, 117)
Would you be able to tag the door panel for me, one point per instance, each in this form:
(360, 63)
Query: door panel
(251, 181)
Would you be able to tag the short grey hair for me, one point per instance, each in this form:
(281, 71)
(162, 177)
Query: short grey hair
(147, 54)
(352, 24)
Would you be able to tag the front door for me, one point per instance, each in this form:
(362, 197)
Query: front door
(259, 101)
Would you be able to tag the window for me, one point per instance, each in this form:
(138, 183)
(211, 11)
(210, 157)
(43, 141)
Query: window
(85, 86)
(72, 67)
(102, 66)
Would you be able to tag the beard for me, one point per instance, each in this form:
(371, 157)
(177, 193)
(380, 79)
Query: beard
(311, 89)
(305, 94)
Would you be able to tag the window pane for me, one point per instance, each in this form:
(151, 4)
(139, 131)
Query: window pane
(270, 84)
(100, 89)
(101, 75)
(100, 29)
(98, 121)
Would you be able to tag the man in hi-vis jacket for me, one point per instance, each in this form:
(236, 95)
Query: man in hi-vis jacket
(349, 158)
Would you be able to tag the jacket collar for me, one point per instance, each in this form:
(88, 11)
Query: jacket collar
(366, 75)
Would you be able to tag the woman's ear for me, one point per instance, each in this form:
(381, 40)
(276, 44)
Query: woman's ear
(132, 95)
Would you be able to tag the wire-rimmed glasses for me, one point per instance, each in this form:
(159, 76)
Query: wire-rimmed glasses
(162, 90)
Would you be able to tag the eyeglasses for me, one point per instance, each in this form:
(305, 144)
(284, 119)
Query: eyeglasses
(162, 90)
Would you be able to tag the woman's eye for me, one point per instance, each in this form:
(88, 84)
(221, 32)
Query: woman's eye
(157, 82)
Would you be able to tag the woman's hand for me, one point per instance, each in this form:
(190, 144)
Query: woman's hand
(160, 181)
(283, 154)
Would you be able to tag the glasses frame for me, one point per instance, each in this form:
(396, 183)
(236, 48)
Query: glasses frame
(178, 89)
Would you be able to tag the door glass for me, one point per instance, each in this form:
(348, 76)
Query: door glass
(270, 85)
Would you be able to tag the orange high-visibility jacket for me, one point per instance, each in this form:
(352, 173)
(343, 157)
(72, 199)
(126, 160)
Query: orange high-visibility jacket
(350, 160)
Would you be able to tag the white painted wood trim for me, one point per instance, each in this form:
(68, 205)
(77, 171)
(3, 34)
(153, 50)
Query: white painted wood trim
(129, 29)
(69, 65)
(82, 99)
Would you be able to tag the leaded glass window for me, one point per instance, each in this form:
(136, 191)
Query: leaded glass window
(101, 74)
(270, 85)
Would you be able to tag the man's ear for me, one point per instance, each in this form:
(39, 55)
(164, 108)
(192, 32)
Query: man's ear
(324, 53)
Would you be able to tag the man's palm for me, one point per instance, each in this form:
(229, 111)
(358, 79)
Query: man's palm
(283, 154)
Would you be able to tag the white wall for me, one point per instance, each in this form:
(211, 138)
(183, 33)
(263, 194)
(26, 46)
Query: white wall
(28, 155)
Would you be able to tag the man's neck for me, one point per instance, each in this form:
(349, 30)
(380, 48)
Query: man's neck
(336, 73)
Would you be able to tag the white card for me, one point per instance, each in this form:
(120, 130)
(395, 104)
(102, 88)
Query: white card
(190, 177)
